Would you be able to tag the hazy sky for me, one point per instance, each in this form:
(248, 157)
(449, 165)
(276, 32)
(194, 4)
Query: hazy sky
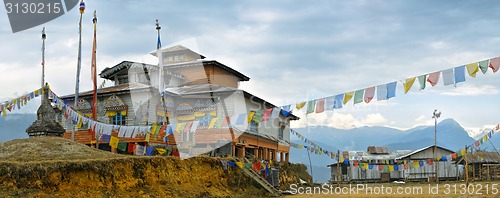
(292, 51)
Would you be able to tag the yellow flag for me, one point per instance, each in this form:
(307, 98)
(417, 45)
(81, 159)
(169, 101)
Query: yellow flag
(485, 138)
(179, 127)
(409, 82)
(416, 164)
(365, 165)
(250, 116)
(161, 151)
(300, 105)
(341, 160)
(239, 164)
(148, 136)
(391, 168)
(212, 123)
(153, 129)
(80, 123)
(463, 151)
(113, 142)
(472, 69)
(4, 112)
(348, 96)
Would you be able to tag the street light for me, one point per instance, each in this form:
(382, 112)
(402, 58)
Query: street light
(436, 115)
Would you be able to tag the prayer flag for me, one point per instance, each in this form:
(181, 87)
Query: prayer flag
(448, 77)
(358, 96)
(391, 90)
(483, 65)
(267, 114)
(460, 74)
(463, 151)
(495, 64)
(472, 69)
(407, 85)
(369, 94)
(382, 92)
(275, 113)
(311, 105)
(338, 101)
(320, 105)
(113, 142)
(257, 117)
(251, 114)
(122, 145)
(212, 123)
(148, 137)
(434, 78)
(348, 96)
(299, 105)
(330, 103)
(241, 119)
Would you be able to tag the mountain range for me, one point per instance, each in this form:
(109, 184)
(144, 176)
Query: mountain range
(449, 135)
(13, 126)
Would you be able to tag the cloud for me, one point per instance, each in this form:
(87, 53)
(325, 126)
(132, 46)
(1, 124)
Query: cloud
(339, 120)
(472, 90)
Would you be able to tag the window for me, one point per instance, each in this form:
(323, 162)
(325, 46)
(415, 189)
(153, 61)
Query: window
(118, 119)
(181, 57)
(281, 130)
(170, 58)
(176, 58)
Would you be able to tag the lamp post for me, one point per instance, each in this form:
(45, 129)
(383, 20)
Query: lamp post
(436, 115)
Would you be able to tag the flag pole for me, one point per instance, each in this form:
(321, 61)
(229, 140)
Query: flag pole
(161, 84)
(94, 78)
(79, 65)
(44, 36)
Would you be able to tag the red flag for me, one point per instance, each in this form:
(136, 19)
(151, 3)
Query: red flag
(267, 114)
(320, 105)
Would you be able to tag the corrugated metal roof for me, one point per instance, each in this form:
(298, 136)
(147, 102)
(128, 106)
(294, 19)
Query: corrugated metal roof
(483, 157)
(363, 155)
(419, 150)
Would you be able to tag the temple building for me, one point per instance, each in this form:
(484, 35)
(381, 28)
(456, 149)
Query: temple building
(201, 103)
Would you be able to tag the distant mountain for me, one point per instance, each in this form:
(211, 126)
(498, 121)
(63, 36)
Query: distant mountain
(13, 126)
(449, 135)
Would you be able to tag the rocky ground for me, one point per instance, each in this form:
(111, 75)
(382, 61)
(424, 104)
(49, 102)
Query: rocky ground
(56, 167)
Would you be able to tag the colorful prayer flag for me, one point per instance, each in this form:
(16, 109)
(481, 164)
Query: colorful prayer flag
(460, 74)
(495, 64)
(275, 113)
(267, 114)
(113, 142)
(369, 94)
(358, 96)
(448, 77)
(391, 90)
(434, 78)
(472, 69)
(299, 105)
(422, 80)
(251, 114)
(348, 96)
(320, 105)
(330, 103)
(311, 105)
(257, 117)
(338, 101)
(382, 92)
(407, 85)
(483, 65)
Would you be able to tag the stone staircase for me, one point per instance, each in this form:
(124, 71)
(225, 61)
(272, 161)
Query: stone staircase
(262, 181)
